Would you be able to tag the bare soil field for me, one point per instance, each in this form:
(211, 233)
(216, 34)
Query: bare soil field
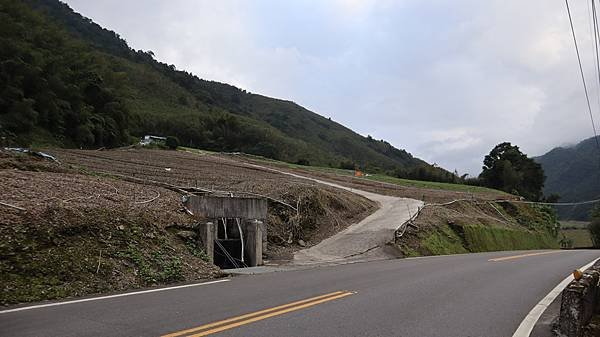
(80, 226)
(69, 234)
(323, 210)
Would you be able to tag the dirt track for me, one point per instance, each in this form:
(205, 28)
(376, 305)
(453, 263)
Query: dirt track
(361, 241)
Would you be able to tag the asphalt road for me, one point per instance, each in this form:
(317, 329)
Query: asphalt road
(460, 295)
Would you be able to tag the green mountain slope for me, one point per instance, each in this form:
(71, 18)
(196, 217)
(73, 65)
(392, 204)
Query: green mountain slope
(67, 81)
(573, 173)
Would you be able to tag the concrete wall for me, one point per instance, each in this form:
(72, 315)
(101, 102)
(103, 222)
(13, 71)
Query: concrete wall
(207, 234)
(580, 302)
(226, 207)
(253, 242)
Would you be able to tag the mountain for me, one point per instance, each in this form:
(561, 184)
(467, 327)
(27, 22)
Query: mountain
(573, 173)
(66, 81)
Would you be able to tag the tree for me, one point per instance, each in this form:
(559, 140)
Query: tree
(303, 162)
(172, 142)
(347, 165)
(507, 168)
(22, 117)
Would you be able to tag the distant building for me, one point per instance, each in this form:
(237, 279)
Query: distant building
(149, 139)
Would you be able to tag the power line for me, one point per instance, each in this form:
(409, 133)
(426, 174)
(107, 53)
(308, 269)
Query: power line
(587, 97)
(595, 38)
(596, 52)
(587, 202)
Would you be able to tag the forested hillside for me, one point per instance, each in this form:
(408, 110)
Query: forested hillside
(66, 81)
(573, 173)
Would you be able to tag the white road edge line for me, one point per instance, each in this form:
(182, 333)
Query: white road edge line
(527, 325)
(111, 296)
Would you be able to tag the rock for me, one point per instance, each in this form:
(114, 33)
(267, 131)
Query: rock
(186, 235)
(301, 243)
(120, 227)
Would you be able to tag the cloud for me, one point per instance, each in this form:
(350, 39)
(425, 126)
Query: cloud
(446, 80)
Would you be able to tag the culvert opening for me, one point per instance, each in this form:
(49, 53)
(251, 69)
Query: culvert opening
(232, 229)
(229, 250)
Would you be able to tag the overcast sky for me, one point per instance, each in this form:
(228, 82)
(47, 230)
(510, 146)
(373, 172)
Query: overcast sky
(445, 80)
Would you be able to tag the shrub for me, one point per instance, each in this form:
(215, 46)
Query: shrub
(347, 165)
(172, 142)
(595, 227)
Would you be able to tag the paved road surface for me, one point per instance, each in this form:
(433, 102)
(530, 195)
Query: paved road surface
(460, 295)
(362, 241)
(365, 240)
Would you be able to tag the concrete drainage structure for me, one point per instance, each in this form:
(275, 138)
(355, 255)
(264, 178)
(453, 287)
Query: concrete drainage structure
(232, 229)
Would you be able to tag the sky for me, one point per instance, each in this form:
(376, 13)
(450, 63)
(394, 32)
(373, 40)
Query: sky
(445, 80)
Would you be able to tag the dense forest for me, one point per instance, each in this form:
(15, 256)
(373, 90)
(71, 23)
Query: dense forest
(66, 81)
(574, 174)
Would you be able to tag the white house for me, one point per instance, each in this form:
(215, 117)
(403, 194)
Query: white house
(149, 139)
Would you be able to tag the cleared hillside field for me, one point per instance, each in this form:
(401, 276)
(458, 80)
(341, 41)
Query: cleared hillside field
(81, 226)
(222, 174)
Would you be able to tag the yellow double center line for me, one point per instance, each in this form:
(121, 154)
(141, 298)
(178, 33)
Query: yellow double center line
(230, 323)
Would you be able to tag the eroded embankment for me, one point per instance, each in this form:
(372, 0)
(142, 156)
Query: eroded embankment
(470, 226)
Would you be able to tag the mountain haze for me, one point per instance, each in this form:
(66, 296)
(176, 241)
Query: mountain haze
(92, 90)
(573, 173)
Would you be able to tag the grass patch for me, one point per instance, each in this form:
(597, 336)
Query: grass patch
(479, 238)
(443, 241)
(580, 238)
(433, 185)
(194, 150)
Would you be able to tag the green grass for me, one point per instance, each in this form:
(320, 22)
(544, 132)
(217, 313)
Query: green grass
(443, 241)
(433, 185)
(194, 150)
(581, 237)
(458, 239)
(479, 238)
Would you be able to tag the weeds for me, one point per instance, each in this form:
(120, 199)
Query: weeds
(156, 268)
(196, 251)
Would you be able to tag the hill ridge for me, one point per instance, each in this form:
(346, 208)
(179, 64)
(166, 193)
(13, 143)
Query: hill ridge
(574, 174)
(124, 92)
